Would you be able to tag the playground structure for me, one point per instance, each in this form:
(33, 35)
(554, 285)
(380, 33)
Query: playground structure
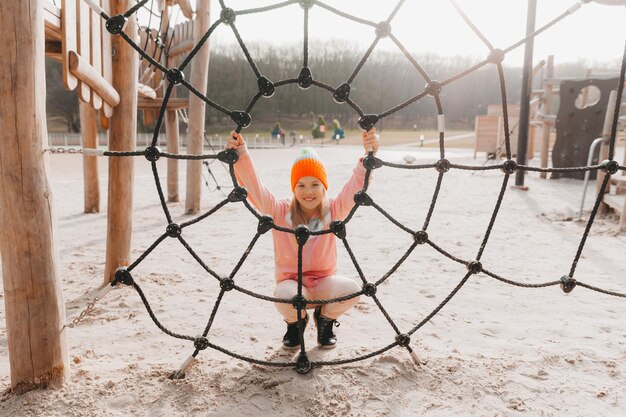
(584, 116)
(27, 33)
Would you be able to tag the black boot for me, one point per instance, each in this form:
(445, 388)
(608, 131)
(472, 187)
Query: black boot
(291, 339)
(326, 338)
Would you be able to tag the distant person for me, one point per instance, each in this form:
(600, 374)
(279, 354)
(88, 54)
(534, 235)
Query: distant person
(309, 206)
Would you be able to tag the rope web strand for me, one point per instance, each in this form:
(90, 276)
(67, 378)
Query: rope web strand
(302, 364)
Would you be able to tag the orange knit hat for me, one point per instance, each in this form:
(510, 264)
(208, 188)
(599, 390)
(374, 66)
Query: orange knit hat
(308, 164)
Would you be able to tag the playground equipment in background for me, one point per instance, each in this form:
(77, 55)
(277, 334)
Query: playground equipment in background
(582, 108)
(490, 132)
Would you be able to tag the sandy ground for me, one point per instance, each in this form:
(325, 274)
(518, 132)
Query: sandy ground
(494, 350)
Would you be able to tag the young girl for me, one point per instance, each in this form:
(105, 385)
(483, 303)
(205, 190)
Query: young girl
(309, 206)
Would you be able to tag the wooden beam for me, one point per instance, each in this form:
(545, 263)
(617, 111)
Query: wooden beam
(181, 48)
(52, 21)
(122, 137)
(174, 103)
(185, 7)
(199, 75)
(81, 69)
(146, 92)
(35, 311)
(89, 135)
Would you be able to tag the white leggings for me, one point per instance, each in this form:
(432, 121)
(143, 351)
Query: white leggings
(326, 288)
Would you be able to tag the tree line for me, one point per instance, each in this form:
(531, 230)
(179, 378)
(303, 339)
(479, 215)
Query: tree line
(385, 80)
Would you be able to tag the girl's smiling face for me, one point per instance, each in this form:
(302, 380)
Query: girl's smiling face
(309, 192)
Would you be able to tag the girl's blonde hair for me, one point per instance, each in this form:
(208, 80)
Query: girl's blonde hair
(297, 214)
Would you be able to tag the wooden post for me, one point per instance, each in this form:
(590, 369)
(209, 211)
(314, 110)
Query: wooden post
(171, 122)
(546, 108)
(122, 137)
(35, 311)
(89, 135)
(171, 131)
(195, 136)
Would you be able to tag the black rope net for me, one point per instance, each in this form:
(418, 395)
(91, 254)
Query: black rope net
(341, 94)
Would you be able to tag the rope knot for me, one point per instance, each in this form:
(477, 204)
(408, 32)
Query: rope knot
(302, 234)
(265, 224)
(175, 76)
(369, 289)
(342, 93)
(123, 275)
(173, 230)
(305, 78)
(610, 166)
(228, 15)
(228, 156)
(266, 87)
(115, 24)
(567, 284)
(338, 228)
(403, 339)
(201, 343)
(152, 153)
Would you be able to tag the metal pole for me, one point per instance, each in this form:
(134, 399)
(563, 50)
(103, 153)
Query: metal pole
(522, 142)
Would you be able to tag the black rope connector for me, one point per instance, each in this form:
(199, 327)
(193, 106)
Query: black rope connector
(115, 24)
(266, 87)
(567, 283)
(371, 162)
(305, 78)
(610, 166)
(242, 118)
(265, 224)
(175, 76)
(228, 15)
(474, 267)
(338, 228)
(302, 234)
(362, 199)
(306, 4)
(227, 284)
(303, 365)
(228, 156)
(123, 275)
(383, 29)
(509, 166)
(342, 93)
(298, 301)
(173, 230)
(201, 343)
(442, 165)
(368, 121)
(433, 88)
(403, 339)
(420, 237)
(369, 289)
(496, 56)
(152, 153)
(237, 194)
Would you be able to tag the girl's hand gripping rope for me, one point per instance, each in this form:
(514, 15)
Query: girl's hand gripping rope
(236, 142)
(370, 141)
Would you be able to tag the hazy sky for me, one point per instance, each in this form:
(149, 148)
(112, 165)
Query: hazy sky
(595, 32)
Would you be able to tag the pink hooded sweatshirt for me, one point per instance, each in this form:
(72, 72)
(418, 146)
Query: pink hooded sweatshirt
(319, 254)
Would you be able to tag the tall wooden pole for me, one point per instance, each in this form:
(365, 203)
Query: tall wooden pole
(524, 114)
(171, 123)
(195, 136)
(35, 311)
(122, 137)
(171, 131)
(89, 135)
